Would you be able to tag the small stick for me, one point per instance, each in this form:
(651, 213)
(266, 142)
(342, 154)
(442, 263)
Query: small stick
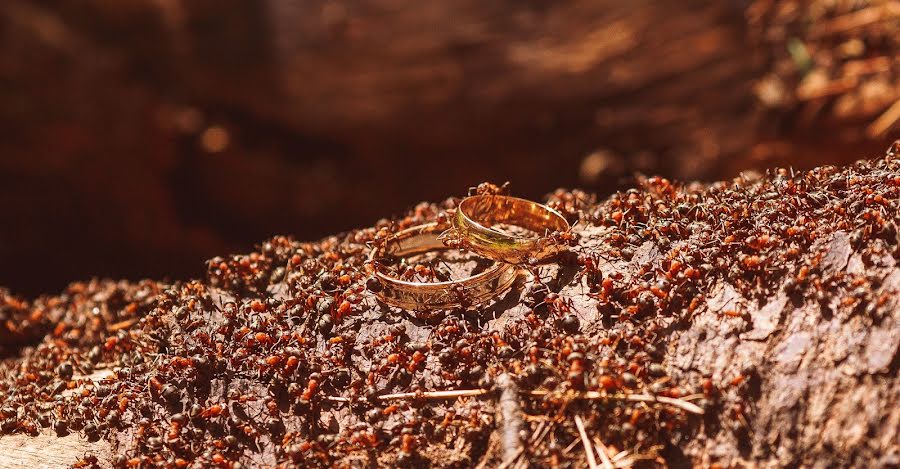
(885, 121)
(590, 395)
(537, 432)
(587, 395)
(512, 418)
(683, 405)
(512, 459)
(833, 87)
(486, 456)
(588, 447)
(627, 459)
(601, 450)
(434, 394)
(620, 455)
(122, 324)
(860, 67)
(857, 19)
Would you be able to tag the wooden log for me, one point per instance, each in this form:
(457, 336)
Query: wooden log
(772, 311)
(47, 450)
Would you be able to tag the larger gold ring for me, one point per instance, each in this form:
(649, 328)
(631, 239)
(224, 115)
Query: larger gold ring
(477, 289)
(477, 215)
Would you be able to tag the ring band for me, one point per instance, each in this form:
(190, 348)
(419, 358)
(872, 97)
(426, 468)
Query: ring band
(477, 289)
(477, 214)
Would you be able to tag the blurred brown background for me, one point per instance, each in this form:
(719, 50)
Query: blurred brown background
(140, 137)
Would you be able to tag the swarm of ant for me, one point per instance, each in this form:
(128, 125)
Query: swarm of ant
(284, 357)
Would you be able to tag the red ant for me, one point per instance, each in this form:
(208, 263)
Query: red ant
(590, 270)
(214, 410)
(558, 304)
(87, 461)
(463, 297)
(486, 188)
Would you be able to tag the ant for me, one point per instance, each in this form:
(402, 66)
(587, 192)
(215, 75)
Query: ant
(420, 271)
(451, 238)
(87, 461)
(462, 296)
(559, 240)
(558, 304)
(590, 270)
(407, 447)
(565, 238)
(486, 188)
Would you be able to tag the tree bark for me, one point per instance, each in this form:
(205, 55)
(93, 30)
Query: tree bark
(784, 333)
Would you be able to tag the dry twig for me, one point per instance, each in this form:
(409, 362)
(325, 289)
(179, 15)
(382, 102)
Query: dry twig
(885, 121)
(511, 414)
(434, 394)
(601, 450)
(588, 447)
(591, 395)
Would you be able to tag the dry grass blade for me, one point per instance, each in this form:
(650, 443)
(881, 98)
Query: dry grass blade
(434, 394)
(122, 325)
(857, 19)
(591, 395)
(511, 460)
(538, 432)
(628, 459)
(588, 447)
(601, 450)
(885, 121)
(680, 403)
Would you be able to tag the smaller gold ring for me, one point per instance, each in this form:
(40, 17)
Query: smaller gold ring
(476, 215)
(477, 289)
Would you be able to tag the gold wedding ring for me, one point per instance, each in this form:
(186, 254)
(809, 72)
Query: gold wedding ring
(476, 217)
(477, 289)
